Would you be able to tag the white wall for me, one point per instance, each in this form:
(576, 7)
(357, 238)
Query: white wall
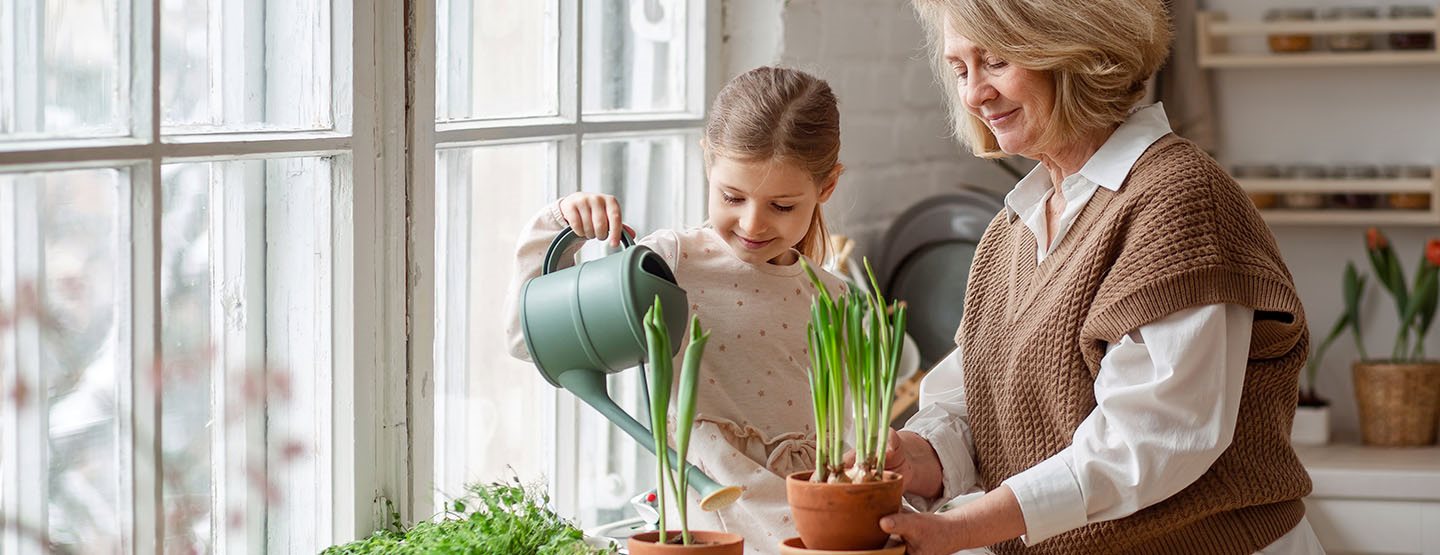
(897, 147)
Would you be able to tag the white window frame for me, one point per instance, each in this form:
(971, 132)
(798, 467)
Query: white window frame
(367, 433)
(569, 130)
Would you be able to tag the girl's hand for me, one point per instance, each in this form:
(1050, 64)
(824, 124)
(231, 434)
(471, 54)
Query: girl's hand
(593, 215)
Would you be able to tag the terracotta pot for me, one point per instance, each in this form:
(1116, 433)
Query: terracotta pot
(702, 542)
(842, 516)
(1399, 403)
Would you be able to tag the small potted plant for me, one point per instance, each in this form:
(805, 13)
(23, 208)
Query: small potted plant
(662, 378)
(500, 517)
(854, 343)
(1312, 415)
(1399, 397)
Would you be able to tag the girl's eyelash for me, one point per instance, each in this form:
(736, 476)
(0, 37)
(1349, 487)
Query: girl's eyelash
(729, 199)
(783, 208)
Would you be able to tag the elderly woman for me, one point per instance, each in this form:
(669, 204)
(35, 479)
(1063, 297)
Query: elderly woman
(1126, 372)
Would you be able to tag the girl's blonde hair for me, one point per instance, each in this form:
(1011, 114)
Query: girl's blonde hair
(1099, 53)
(771, 113)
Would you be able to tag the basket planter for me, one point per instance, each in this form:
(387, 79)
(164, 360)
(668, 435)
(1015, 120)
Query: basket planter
(842, 517)
(1311, 426)
(1399, 404)
(702, 543)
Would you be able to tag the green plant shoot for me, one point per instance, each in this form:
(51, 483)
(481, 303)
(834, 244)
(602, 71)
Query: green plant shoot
(662, 378)
(855, 343)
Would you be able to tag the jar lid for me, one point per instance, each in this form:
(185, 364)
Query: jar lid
(1290, 14)
(1411, 11)
(1352, 12)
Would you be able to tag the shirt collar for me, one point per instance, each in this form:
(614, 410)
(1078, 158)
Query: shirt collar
(1108, 167)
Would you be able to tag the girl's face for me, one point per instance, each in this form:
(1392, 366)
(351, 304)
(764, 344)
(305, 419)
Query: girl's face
(763, 209)
(1014, 102)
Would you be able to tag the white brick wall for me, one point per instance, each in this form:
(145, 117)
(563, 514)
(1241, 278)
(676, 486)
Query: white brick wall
(895, 138)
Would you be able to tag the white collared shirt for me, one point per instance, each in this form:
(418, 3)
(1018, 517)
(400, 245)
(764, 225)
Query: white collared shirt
(1167, 395)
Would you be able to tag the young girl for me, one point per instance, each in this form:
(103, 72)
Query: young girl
(771, 148)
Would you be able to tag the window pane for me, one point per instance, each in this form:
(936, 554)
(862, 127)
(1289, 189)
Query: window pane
(492, 411)
(246, 377)
(647, 174)
(185, 343)
(62, 277)
(63, 69)
(245, 65)
(634, 56)
(496, 59)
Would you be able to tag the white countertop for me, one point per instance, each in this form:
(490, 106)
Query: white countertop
(1359, 472)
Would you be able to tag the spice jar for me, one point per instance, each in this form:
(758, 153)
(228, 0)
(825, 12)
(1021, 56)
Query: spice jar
(1303, 201)
(1262, 200)
(1289, 42)
(1411, 201)
(1350, 42)
(1355, 201)
(1412, 40)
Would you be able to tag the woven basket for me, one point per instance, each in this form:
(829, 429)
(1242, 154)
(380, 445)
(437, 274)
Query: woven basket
(1399, 403)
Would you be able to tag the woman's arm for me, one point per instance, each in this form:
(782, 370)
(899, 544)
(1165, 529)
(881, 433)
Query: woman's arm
(935, 448)
(1167, 399)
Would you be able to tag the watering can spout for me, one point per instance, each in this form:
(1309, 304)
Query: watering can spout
(589, 386)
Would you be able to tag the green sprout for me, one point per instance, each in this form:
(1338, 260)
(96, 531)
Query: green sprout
(855, 340)
(662, 377)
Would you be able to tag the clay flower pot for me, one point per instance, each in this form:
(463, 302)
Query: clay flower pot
(702, 543)
(842, 517)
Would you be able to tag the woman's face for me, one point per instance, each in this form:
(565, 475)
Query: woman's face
(762, 209)
(1014, 102)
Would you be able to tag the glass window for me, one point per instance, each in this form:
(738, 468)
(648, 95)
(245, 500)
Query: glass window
(245, 65)
(634, 55)
(63, 69)
(62, 276)
(500, 59)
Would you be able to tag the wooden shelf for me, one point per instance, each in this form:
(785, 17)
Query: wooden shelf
(1344, 216)
(1212, 29)
(1386, 25)
(1318, 59)
(1339, 185)
(1281, 216)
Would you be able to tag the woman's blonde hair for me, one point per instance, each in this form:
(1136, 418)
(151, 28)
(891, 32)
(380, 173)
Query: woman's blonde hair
(1098, 52)
(771, 113)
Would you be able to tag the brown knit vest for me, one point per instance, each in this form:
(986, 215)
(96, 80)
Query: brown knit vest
(1178, 234)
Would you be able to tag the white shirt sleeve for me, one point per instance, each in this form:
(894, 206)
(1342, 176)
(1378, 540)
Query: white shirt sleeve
(1167, 396)
(943, 421)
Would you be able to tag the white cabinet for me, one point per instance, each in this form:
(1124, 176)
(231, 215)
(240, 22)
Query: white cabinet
(1374, 500)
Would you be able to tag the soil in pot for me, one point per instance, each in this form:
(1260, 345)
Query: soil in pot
(702, 542)
(840, 516)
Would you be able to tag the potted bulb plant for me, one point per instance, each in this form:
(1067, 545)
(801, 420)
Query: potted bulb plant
(1399, 397)
(662, 378)
(854, 343)
(1312, 413)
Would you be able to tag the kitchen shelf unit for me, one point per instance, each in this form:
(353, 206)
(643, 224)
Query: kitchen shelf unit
(1342, 216)
(1212, 31)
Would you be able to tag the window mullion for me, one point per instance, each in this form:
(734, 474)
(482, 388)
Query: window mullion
(237, 274)
(24, 423)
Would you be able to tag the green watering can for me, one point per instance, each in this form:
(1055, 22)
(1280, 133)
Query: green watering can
(585, 322)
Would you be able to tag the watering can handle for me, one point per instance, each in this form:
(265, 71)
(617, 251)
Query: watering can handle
(562, 242)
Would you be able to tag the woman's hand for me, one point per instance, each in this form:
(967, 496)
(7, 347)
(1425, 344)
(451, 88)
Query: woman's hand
(993, 518)
(593, 215)
(912, 457)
